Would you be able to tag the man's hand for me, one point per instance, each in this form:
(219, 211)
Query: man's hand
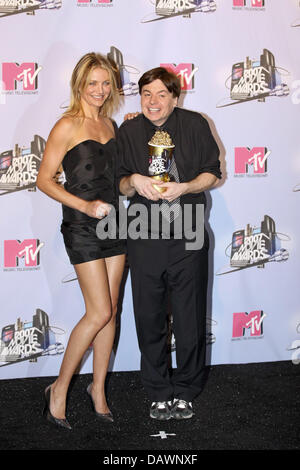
(201, 183)
(173, 190)
(144, 186)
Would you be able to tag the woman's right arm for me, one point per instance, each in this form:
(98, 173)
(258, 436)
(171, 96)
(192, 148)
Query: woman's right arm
(57, 146)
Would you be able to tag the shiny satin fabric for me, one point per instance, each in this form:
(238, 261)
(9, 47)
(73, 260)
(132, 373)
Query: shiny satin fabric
(89, 169)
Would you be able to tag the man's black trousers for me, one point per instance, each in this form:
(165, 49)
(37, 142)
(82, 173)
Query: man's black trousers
(156, 267)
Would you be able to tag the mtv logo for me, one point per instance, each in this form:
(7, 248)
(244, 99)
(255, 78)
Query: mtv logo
(185, 72)
(27, 73)
(256, 157)
(29, 250)
(243, 321)
(254, 3)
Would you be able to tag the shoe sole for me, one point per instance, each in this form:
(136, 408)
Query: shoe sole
(160, 419)
(182, 417)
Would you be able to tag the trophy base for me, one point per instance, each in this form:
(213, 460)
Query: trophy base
(165, 178)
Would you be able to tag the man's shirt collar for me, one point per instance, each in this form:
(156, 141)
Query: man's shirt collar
(169, 125)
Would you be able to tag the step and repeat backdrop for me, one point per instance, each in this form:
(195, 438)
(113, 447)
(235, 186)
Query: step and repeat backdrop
(238, 62)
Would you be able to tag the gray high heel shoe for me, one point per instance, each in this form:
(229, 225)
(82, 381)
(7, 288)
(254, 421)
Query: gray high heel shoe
(107, 417)
(63, 423)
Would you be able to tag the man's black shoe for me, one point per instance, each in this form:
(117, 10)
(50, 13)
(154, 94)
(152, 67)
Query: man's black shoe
(181, 409)
(161, 410)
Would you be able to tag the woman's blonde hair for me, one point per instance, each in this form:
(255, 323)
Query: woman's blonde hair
(80, 79)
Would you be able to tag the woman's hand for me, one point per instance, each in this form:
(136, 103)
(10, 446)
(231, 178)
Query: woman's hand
(97, 209)
(131, 115)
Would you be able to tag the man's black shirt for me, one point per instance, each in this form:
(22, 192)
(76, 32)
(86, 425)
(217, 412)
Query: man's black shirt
(195, 150)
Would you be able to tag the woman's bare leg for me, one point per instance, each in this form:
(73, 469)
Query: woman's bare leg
(104, 340)
(94, 283)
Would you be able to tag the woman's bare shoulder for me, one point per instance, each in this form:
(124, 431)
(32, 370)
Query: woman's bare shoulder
(65, 128)
(67, 124)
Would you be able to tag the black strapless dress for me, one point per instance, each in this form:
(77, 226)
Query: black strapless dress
(90, 174)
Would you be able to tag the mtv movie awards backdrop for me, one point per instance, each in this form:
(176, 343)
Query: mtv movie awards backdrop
(238, 64)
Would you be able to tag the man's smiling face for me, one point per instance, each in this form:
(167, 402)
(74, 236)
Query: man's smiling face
(157, 102)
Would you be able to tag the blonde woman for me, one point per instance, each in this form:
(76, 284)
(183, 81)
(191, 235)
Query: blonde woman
(83, 141)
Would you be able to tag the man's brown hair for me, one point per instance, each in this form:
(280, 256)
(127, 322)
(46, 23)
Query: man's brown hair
(169, 79)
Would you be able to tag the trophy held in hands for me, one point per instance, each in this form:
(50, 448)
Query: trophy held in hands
(160, 154)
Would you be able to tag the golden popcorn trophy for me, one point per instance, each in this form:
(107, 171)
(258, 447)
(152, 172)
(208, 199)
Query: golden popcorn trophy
(160, 154)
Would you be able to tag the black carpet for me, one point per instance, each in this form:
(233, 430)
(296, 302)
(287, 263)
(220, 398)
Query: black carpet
(242, 407)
